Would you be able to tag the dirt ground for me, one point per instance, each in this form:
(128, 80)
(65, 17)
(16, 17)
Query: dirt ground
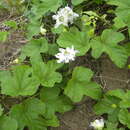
(11, 48)
(110, 77)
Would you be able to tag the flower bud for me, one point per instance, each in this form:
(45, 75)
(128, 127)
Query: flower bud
(43, 30)
(16, 61)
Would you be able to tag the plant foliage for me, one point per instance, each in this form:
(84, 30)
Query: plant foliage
(44, 85)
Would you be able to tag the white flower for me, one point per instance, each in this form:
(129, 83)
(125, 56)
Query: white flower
(43, 30)
(64, 16)
(22, 1)
(60, 20)
(97, 124)
(66, 55)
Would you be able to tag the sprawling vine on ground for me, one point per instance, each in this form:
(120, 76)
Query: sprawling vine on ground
(65, 42)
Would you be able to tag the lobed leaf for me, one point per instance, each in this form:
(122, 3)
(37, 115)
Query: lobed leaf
(81, 85)
(76, 38)
(46, 73)
(40, 8)
(54, 102)
(34, 48)
(108, 43)
(20, 82)
(107, 105)
(27, 114)
(122, 12)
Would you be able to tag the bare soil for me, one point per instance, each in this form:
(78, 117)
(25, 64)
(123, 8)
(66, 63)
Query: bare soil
(10, 49)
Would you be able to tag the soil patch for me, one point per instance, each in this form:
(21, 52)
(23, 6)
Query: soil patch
(11, 48)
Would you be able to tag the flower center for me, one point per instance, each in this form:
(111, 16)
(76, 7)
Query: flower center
(61, 19)
(66, 52)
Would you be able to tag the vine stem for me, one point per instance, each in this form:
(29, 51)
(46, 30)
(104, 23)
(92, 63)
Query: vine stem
(123, 30)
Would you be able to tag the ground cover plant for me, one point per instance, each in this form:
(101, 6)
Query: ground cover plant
(49, 74)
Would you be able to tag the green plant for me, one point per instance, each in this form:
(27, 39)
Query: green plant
(14, 7)
(44, 85)
(4, 36)
(11, 26)
(115, 104)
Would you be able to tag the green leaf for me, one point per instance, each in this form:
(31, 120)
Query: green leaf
(3, 36)
(33, 28)
(123, 8)
(12, 24)
(108, 43)
(40, 8)
(111, 126)
(122, 129)
(53, 121)
(37, 124)
(59, 30)
(81, 85)
(27, 114)
(53, 49)
(76, 2)
(122, 11)
(19, 82)
(46, 73)
(7, 123)
(107, 105)
(127, 47)
(119, 93)
(78, 39)
(98, 1)
(119, 23)
(53, 5)
(54, 102)
(34, 48)
(125, 97)
(113, 117)
(124, 117)
(125, 103)
(1, 110)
